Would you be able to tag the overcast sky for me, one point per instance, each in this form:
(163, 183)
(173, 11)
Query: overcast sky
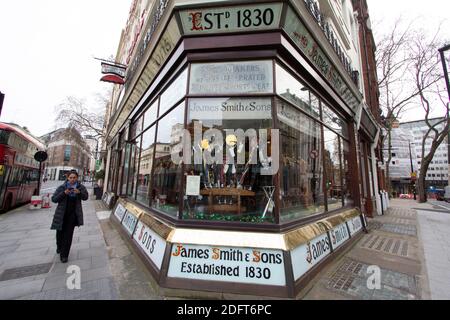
(47, 49)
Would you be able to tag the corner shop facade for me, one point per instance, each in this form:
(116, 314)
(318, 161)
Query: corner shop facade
(266, 66)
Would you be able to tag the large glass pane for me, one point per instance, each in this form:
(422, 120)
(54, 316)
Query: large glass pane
(173, 94)
(136, 128)
(145, 167)
(302, 171)
(167, 174)
(333, 121)
(345, 147)
(151, 115)
(293, 90)
(134, 163)
(232, 77)
(126, 167)
(333, 170)
(237, 189)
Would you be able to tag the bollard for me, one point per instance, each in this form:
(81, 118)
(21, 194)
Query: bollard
(46, 202)
(36, 202)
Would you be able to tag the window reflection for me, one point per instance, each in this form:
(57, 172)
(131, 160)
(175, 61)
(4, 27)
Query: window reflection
(345, 147)
(167, 174)
(145, 166)
(333, 170)
(302, 172)
(295, 92)
(151, 114)
(333, 121)
(173, 93)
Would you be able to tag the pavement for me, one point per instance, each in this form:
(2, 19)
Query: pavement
(409, 247)
(30, 268)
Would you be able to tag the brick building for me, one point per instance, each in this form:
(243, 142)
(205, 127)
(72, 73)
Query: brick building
(66, 150)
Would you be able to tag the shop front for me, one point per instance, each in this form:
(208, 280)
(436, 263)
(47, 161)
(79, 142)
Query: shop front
(234, 150)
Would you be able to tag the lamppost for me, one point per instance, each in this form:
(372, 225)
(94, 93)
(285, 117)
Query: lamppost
(442, 52)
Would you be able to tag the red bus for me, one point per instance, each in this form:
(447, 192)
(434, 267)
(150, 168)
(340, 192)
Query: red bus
(19, 172)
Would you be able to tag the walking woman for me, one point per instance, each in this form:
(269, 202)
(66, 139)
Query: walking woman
(69, 213)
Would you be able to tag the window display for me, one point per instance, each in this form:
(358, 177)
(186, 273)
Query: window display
(228, 158)
(301, 177)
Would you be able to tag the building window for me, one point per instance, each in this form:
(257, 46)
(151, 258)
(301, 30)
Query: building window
(166, 182)
(67, 153)
(145, 166)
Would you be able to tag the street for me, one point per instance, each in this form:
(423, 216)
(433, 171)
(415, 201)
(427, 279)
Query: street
(410, 245)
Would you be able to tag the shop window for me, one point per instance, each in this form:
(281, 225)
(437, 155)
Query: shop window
(348, 198)
(166, 180)
(332, 166)
(232, 77)
(145, 167)
(134, 163)
(333, 121)
(302, 170)
(295, 92)
(136, 128)
(228, 174)
(151, 115)
(174, 93)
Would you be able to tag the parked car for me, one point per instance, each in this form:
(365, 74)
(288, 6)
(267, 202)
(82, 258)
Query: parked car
(440, 195)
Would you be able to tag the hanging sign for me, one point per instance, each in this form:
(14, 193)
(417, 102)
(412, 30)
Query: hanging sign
(109, 68)
(225, 264)
(231, 19)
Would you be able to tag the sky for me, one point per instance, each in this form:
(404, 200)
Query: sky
(47, 50)
(46, 54)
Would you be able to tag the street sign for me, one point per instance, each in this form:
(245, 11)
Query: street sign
(40, 156)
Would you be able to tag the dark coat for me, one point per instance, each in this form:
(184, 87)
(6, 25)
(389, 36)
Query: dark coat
(60, 198)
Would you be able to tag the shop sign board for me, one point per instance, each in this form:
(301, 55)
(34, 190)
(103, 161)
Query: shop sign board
(355, 225)
(339, 236)
(308, 255)
(231, 19)
(151, 243)
(129, 222)
(120, 212)
(232, 77)
(297, 31)
(226, 264)
(230, 108)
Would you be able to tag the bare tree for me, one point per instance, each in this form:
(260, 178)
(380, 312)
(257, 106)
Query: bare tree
(428, 77)
(396, 83)
(73, 112)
